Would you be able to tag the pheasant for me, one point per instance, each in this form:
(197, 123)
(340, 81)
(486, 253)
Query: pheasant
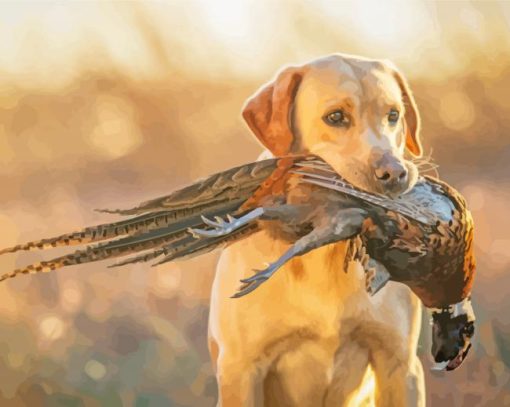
(423, 239)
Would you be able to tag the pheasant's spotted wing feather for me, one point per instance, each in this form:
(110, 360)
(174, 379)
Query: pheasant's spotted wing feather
(218, 187)
(274, 185)
(459, 245)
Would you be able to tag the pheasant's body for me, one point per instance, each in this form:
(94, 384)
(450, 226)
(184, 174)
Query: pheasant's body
(423, 238)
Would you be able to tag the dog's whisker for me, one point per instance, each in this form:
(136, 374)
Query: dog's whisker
(427, 165)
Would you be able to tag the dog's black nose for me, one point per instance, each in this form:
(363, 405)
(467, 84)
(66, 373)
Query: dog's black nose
(392, 174)
(390, 171)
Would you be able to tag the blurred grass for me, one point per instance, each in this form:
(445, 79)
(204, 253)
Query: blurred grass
(108, 104)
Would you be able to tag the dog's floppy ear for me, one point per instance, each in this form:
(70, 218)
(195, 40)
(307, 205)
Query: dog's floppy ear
(412, 117)
(268, 113)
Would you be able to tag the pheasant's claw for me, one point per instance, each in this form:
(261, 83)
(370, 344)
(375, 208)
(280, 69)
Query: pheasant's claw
(210, 222)
(220, 221)
(251, 283)
(220, 226)
(261, 275)
(376, 277)
(198, 233)
(247, 288)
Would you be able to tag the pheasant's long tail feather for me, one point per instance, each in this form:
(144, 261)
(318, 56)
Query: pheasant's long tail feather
(182, 244)
(120, 247)
(161, 249)
(142, 258)
(186, 248)
(129, 227)
(101, 232)
(116, 248)
(225, 189)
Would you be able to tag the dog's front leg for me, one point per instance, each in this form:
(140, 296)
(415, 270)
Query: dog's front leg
(398, 383)
(393, 339)
(239, 385)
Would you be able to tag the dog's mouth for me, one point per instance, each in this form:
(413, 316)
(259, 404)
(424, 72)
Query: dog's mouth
(361, 174)
(366, 180)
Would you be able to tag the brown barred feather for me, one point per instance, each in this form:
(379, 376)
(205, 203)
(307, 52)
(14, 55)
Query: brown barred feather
(186, 248)
(223, 186)
(231, 187)
(274, 183)
(168, 222)
(105, 251)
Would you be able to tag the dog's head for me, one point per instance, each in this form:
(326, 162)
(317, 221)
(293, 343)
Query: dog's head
(357, 114)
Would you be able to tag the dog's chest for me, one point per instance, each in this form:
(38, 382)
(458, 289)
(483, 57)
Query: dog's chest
(330, 285)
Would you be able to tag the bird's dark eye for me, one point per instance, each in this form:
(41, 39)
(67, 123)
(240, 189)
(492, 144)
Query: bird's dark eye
(393, 116)
(337, 118)
(468, 330)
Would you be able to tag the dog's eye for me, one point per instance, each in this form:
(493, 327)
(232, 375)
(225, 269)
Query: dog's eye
(393, 116)
(337, 118)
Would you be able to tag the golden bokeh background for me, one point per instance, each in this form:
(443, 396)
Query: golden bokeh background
(105, 104)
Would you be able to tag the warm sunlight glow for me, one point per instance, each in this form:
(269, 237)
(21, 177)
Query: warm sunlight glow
(107, 104)
(365, 395)
(227, 36)
(227, 20)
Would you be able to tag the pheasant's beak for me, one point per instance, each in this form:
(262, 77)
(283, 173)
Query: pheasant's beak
(457, 361)
(451, 340)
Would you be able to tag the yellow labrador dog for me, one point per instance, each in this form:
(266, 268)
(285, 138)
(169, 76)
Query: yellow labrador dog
(308, 336)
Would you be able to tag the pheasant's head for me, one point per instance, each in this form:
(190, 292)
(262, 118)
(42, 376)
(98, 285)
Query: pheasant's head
(452, 330)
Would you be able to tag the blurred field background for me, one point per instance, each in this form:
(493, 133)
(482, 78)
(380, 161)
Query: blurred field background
(107, 104)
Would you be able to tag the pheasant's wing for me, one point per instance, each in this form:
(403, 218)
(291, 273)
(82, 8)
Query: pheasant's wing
(220, 187)
(460, 234)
